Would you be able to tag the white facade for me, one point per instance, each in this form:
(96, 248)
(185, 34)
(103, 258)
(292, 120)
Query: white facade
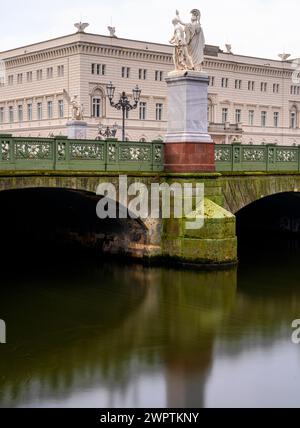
(251, 99)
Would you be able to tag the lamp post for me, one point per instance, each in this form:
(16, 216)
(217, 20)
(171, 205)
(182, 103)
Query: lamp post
(105, 132)
(124, 103)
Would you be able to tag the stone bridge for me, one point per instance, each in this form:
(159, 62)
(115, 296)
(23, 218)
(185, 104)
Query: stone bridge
(160, 239)
(61, 171)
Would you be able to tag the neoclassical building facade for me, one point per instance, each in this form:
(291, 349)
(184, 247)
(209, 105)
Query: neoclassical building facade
(254, 100)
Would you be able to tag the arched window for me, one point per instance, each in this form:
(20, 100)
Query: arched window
(97, 100)
(96, 112)
(293, 118)
(143, 140)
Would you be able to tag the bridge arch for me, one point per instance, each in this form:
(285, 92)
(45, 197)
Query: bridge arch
(48, 209)
(240, 191)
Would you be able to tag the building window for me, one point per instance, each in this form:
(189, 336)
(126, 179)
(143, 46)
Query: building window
(263, 119)
(10, 80)
(295, 90)
(294, 119)
(238, 116)
(50, 73)
(20, 78)
(125, 72)
(50, 109)
(159, 111)
(142, 140)
(224, 115)
(29, 112)
(224, 82)
(61, 110)
(20, 113)
(238, 84)
(159, 76)
(101, 69)
(96, 107)
(60, 70)
(251, 117)
(212, 81)
(251, 85)
(39, 74)
(276, 119)
(39, 111)
(143, 111)
(142, 74)
(276, 88)
(11, 114)
(29, 76)
(1, 114)
(98, 69)
(263, 87)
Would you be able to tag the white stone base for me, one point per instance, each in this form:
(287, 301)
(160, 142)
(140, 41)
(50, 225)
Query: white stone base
(187, 137)
(77, 130)
(187, 107)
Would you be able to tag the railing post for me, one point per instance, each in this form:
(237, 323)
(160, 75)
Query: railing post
(111, 153)
(6, 148)
(60, 151)
(271, 157)
(237, 156)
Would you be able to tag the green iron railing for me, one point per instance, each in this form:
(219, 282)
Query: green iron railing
(61, 153)
(239, 157)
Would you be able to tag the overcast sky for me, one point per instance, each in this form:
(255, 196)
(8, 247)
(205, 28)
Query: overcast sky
(253, 27)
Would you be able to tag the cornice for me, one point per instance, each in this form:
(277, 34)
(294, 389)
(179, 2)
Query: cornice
(89, 48)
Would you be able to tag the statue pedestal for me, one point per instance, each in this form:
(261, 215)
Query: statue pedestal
(189, 147)
(77, 130)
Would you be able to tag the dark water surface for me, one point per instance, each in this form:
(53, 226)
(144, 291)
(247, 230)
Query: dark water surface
(92, 334)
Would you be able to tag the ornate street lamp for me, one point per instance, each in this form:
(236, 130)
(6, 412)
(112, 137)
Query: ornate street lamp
(105, 132)
(124, 103)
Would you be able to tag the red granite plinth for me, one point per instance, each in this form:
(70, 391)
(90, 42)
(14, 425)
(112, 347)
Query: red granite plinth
(190, 157)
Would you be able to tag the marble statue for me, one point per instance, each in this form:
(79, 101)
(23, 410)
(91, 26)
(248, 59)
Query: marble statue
(189, 43)
(77, 109)
(182, 59)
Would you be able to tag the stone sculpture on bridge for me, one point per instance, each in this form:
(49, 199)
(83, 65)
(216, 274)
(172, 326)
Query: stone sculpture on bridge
(189, 42)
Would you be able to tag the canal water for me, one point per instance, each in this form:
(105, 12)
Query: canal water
(86, 333)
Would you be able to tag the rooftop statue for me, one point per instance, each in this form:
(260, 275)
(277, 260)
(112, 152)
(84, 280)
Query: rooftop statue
(189, 43)
(112, 31)
(81, 26)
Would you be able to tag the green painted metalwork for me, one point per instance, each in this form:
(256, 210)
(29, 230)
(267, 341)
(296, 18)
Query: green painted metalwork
(265, 158)
(62, 154)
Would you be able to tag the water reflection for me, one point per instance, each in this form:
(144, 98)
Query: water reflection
(131, 336)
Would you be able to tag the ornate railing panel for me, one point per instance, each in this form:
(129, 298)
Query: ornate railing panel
(83, 155)
(240, 157)
(60, 154)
